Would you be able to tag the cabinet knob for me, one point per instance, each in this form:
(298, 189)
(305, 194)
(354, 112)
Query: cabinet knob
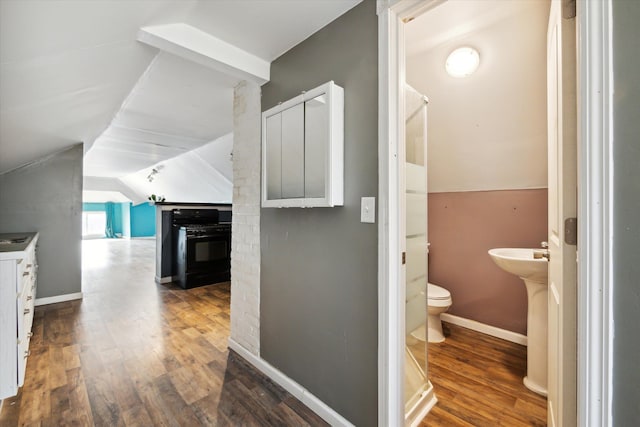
(26, 273)
(26, 311)
(30, 334)
(27, 353)
(29, 265)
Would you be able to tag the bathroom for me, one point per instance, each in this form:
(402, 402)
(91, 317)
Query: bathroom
(486, 168)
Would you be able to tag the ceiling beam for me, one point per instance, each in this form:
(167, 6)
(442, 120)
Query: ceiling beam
(195, 45)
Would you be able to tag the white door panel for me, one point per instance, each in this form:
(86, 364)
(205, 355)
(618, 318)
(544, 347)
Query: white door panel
(561, 84)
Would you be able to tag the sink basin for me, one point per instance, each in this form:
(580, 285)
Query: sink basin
(520, 261)
(533, 271)
(12, 241)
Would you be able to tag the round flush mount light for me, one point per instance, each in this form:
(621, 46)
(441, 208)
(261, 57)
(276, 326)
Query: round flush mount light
(462, 62)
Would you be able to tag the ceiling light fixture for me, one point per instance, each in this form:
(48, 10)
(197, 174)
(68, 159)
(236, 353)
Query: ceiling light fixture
(154, 172)
(462, 62)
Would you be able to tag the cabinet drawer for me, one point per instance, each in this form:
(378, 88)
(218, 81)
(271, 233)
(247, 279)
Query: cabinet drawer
(23, 355)
(25, 312)
(21, 275)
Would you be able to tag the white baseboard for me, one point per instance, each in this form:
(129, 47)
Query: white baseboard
(485, 329)
(57, 299)
(299, 392)
(420, 410)
(166, 279)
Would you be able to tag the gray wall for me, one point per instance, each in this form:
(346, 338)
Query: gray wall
(626, 233)
(46, 196)
(319, 284)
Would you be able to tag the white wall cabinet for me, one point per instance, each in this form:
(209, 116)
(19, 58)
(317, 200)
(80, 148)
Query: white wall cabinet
(18, 271)
(303, 150)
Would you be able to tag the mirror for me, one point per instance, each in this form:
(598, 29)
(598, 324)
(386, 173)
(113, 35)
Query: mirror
(293, 152)
(316, 133)
(273, 150)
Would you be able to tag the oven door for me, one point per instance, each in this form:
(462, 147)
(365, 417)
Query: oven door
(207, 252)
(203, 259)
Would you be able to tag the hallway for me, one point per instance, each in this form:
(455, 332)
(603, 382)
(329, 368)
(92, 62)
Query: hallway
(135, 353)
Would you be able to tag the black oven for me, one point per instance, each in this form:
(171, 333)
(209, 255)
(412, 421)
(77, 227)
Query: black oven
(203, 248)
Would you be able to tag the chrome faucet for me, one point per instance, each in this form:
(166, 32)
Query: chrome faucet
(537, 254)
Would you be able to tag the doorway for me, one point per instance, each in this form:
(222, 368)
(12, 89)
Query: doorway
(392, 71)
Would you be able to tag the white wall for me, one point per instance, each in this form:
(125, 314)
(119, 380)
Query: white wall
(245, 234)
(201, 175)
(487, 131)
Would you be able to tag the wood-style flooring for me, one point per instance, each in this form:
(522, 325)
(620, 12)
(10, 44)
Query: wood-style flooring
(134, 353)
(478, 382)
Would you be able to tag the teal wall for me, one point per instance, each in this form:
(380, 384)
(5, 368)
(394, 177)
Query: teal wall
(129, 221)
(125, 218)
(121, 215)
(93, 207)
(143, 220)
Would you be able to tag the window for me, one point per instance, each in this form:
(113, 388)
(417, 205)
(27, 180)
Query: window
(94, 224)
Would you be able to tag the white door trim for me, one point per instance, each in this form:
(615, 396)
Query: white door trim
(390, 351)
(595, 210)
(391, 302)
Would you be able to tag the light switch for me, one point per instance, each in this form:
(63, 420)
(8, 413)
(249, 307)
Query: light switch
(368, 210)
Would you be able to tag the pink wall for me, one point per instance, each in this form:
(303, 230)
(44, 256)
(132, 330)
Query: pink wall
(463, 226)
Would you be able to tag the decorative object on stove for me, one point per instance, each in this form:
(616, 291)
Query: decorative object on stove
(156, 199)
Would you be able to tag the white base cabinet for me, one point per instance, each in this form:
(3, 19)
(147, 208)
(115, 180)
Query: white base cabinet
(18, 273)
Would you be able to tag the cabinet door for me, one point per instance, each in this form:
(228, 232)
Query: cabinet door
(273, 154)
(293, 152)
(316, 137)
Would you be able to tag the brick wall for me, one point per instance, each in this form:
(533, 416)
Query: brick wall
(245, 244)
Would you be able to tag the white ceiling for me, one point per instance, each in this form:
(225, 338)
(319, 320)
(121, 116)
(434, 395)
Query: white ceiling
(487, 131)
(457, 19)
(72, 71)
(175, 107)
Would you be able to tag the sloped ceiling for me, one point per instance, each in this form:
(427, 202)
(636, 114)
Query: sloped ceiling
(175, 107)
(487, 131)
(73, 71)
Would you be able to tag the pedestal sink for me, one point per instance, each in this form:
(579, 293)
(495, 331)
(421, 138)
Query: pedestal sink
(533, 271)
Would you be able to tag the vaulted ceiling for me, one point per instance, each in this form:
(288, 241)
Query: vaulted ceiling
(76, 71)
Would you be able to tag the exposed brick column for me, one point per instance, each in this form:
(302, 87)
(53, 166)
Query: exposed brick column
(245, 242)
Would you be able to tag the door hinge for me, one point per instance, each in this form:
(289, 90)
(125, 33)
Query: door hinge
(404, 258)
(571, 231)
(569, 9)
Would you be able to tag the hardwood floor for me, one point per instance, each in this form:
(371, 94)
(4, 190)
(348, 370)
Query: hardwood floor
(478, 382)
(134, 353)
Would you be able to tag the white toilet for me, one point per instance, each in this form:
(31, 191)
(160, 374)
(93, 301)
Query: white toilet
(438, 301)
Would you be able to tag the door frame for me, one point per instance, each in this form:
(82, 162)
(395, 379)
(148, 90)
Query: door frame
(391, 301)
(595, 213)
(595, 209)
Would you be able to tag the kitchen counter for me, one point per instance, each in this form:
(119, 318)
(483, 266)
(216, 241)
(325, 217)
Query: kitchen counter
(14, 245)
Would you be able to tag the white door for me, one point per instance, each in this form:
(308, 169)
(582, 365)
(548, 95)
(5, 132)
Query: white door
(561, 76)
